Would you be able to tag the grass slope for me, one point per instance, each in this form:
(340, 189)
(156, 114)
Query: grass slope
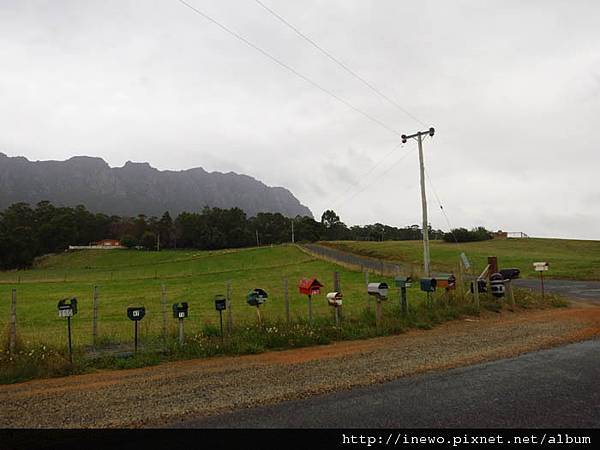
(127, 278)
(574, 259)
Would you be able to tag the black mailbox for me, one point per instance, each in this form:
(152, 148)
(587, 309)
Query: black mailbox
(67, 307)
(510, 274)
(136, 313)
(180, 310)
(220, 303)
(428, 284)
(497, 287)
(481, 286)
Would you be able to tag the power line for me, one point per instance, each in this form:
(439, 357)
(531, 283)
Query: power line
(442, 209)
(338, 62)
(377, 163)
(378, 178)
(288, 67)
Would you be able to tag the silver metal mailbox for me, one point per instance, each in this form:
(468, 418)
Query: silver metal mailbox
(379, 290)
(335, 298)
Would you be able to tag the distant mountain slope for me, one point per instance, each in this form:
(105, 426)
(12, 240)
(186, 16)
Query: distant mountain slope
(137, 188)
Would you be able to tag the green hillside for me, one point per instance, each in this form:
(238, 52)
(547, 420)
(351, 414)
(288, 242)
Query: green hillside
(128, 277)
(575, 259)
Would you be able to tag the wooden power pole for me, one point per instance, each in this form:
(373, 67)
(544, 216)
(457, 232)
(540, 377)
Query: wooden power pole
(426, 258)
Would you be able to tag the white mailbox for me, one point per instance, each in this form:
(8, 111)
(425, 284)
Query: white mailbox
(335, 298)
(540, 266)
(379, 290)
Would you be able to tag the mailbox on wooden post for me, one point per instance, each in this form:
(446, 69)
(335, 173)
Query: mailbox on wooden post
(380, 292)
(402, 283)
(481, 286)
(257, 297)
(497, 287)
(221, 305)
(309, 287)
(136, 313)
(428, 284)
(541, 267)
(180, 312)
(334, 299)
(68, 308)
(447, 282)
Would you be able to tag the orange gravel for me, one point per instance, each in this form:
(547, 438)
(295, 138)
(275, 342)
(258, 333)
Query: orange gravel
(163, 394)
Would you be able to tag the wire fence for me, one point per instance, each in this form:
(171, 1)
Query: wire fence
(362, 263)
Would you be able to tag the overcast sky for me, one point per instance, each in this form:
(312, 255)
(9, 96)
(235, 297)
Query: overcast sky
(512, 88)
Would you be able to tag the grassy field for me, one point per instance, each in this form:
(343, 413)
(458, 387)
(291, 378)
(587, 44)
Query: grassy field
(128, 278)
(135, 278)
(573, 259)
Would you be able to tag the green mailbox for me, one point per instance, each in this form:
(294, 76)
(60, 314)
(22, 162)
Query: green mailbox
(256, 297)
(403, 282)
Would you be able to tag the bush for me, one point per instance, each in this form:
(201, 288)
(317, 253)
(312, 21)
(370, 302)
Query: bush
(464, 235)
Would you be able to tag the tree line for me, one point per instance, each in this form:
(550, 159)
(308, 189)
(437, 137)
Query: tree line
(27, 232)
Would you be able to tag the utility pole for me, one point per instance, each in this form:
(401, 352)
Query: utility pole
(257, 241)
(426, 259)
(293, 240)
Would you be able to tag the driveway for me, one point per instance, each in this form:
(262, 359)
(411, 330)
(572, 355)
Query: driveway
(582, 290)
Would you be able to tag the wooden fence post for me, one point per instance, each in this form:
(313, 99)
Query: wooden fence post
(511, 294)
(163, 302)
(366, 289)
(95, 317)
(229, 313)
(287, 300)
(337, 288)
(12, 343)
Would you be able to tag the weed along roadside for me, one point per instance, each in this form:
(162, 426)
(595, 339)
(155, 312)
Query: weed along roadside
(126, 324)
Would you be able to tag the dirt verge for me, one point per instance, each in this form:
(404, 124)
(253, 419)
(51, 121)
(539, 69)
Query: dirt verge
(159, 395)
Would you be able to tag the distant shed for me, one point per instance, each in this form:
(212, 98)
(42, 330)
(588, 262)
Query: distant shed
(104, 244)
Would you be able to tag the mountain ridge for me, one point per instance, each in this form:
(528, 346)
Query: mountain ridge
(137, 188)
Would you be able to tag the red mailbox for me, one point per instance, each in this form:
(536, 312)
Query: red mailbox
(310, 286)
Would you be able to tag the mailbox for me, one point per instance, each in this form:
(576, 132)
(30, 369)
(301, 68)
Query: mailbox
(220, 303)
(428, 284)
(256, 297)
(136, 313)
(510, 274)
(67, 307)
(541, 266)
(446, 282)
(180, 310)
(481, 286)
(403, 282)
(334, 298)
(497, 287)
(310, 286)
(379, 290)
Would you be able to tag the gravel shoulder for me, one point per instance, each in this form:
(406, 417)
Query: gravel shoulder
(169, 393)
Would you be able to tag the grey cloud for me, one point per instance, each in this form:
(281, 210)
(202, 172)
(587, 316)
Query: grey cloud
(511, 86)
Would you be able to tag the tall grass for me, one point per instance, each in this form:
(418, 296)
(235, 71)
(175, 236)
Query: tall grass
(36, 361)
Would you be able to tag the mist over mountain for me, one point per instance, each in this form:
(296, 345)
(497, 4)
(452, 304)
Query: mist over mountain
(137, 188)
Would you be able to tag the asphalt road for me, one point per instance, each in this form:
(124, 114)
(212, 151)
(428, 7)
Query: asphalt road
(583, 290)
(548, 388)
